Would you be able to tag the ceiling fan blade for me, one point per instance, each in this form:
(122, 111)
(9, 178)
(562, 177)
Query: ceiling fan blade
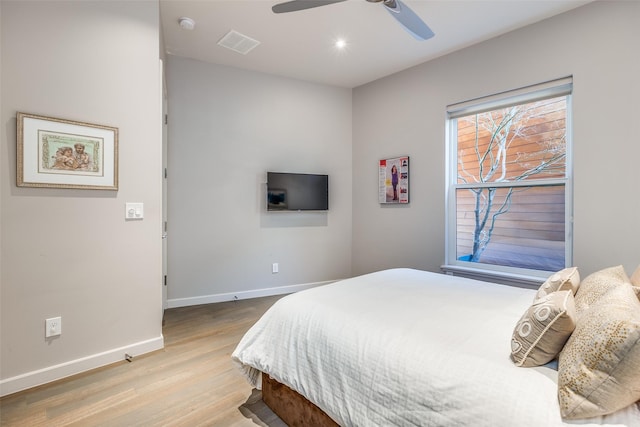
(294, 5)
(408, 19)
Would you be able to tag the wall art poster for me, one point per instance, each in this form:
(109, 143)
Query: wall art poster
(394, 180)
(58, 153)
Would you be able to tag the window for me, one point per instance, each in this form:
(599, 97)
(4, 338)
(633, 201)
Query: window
(509, 189)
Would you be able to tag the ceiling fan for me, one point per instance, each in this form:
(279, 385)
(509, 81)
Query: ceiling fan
(401, 12)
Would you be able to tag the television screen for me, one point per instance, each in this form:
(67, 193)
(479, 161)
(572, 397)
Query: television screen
(297, 192)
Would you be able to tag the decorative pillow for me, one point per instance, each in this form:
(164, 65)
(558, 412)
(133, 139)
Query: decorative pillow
(599, 367)
(543, 330)
(635, 277)
(635, 281)
(597, 284)
(564, 280)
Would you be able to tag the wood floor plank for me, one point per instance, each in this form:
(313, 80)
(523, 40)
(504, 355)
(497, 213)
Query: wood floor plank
(191, 382)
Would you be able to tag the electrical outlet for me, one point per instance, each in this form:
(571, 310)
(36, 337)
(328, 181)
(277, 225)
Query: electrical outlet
(274, 268)
(53, 327)
(134, 210)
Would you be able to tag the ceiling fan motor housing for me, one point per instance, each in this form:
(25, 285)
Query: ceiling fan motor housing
(388, 3)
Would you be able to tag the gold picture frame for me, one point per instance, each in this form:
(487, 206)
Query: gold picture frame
(60, 153)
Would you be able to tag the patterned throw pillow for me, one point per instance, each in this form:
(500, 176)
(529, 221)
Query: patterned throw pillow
(635, 277)
(597, 284)
(543, 330)
(564, 280)
(599, 367)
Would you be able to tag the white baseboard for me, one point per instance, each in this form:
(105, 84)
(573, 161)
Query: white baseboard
(72, 367)
(232, 296)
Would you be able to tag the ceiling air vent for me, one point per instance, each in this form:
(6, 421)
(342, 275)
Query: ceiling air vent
(238, 42)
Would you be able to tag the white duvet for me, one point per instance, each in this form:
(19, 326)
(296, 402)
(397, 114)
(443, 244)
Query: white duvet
(405, 347)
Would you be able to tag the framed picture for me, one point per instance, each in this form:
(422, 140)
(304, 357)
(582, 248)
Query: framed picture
(58, 153)
(394, 180)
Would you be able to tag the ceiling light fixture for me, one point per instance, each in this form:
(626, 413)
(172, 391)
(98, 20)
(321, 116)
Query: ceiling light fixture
(187, 23)
(341, 44)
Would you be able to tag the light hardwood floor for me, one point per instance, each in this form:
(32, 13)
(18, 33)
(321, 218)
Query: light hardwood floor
(191, 382)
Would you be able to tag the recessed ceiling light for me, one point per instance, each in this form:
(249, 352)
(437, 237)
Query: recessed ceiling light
(341, 44)
(187, 23)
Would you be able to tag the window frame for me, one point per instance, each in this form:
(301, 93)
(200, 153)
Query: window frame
(511, 275)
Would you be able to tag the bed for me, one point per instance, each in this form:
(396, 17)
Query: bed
(404, 347)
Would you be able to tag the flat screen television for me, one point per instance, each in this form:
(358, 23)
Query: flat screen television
(297, 192)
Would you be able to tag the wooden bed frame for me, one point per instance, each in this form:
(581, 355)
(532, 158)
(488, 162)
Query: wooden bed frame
(293, 408)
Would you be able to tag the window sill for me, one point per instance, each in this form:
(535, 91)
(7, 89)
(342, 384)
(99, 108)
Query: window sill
(518, 280)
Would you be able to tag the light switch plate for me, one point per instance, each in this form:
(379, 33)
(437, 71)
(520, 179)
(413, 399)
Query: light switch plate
(134, 210)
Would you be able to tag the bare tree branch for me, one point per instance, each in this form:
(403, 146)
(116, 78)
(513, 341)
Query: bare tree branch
(504, 127)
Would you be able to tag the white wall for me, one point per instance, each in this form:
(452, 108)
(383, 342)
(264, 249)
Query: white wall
(227, 128)
(404, 114)
(70, 253)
